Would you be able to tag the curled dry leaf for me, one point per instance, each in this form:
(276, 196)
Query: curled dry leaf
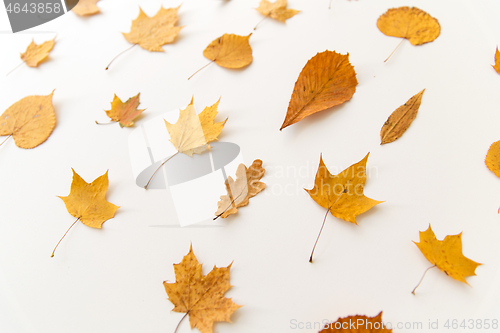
(357, 324)
(239, 191)
(230, 51)
(399, 121)
(276, 10)
(35, 54)
(30, 121)
(496, 66)
(86, 8)
(411, 23)
(328, 79)
(447, 254)
(153, 32)
(202, 297)
(124, 113)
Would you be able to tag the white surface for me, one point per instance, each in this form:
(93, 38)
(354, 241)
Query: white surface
(110, 280)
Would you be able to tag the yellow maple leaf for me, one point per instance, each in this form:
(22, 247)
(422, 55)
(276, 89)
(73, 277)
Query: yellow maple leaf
(410, 23)
(86, 8)
(124, 113)
(239, 191)
(201, 297)
(357, 324)
(230, 51)
(276, 10)
(496, 66)
(191, 133)
(30, 121)
(447, 254)
(35, 54)
(151, 33)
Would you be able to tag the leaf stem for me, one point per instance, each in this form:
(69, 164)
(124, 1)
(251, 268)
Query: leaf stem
(154, 173)
(110, 123)
(314, 247)
(330, 5)
(419, 282)
(5, 139)
(230, 205)
(200, 69)
(255, 28)
(179, 324)
(402, 39)
(14, 68)
(119, 54)
(52, 255)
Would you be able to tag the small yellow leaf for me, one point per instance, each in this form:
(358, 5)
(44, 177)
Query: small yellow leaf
(276, 10)
(493, 158)
(124, 113)
(447, 254)
(86, 8)
(496, 66)
(399, 121)
(230, 51)
(411, 23)
(30, 121)
(35, 54)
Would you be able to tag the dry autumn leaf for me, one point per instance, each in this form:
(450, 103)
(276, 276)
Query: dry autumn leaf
(35, 54)
(328, 79)
(151, 33)
(124, 113)
(399, 121)
(30, 121)
(276, 10)
(342, 195)
(446, 255)
(201, 297)
(86, 8)
(493, 158)
(496, 66)
(239, 191)
(357, 324)
(87, 202)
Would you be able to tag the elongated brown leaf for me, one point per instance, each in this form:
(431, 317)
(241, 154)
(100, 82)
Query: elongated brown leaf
(399, 121)
(328, 79)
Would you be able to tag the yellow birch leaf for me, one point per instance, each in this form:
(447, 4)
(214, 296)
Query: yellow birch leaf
(276, 10)
(239, 191)
(399, 121)
(496, 66)
(124, 113)
(230, 51)
(30, 121)
(35, 54)
(86, 8)
(493, 158)
(200, 296)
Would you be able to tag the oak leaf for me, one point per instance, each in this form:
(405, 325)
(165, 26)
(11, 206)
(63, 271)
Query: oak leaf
(327, 79)
(230, 51)
(342, 195)
(86, 8)
(124, 113)
(201, 297)
(151, 33)
(447, 254)
(30, 121)
(357, 324)
(191, 133)
(493, 158)
(276, 10)
(87, 202)
(496, 66)
(239, 191)
(410, 23)
(399, 121)
(35, 54)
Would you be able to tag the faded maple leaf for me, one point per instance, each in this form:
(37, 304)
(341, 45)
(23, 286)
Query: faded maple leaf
(201, 297)
(230, 51)
(496, 66)
(327, 79)
(276, 10)
(35, 54)
(124, 113)
(151, 33)
(342, 195)
(239, 191)
(87, 202)
(30, 121)
(410, 23)
(357, 324)
(446, 255)
(399, 121)
(86, 8)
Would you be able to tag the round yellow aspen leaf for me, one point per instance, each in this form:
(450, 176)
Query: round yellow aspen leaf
(230, 51)
(493, 158)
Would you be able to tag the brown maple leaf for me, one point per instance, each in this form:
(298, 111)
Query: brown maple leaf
(328, 79)
(201, 297)
(239, 192)
(124, 113)
(86, 8)
(357, 324)
(35, 54)
(151, 33)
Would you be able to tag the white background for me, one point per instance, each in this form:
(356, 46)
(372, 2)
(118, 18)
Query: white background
(110, 280)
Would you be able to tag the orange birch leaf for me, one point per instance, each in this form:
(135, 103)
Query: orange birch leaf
(492, 159)
(357, 324)
(230, 51)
